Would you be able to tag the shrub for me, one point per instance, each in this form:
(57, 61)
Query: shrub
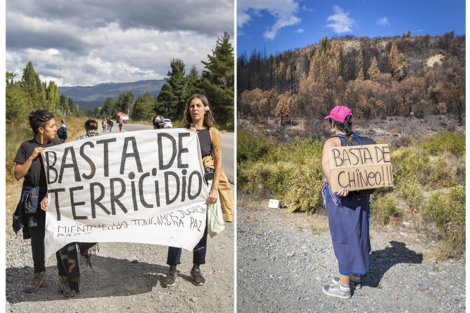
(414, 163)
(448, 212)
(383, 208)
(304, 188)
(249, 148)
(446, 141)
(255, 177)
(298, 152)
(412, 192)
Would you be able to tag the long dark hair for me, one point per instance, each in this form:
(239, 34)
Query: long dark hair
(208, 118)
(39, 118)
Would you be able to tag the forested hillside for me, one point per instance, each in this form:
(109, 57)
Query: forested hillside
(30, 93)
(102, 91)
(383, 76)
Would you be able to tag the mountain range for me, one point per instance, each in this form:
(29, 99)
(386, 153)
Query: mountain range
(91, 97)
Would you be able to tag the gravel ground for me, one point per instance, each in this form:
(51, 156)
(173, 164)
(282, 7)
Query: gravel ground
(284, 259)
(125, 277)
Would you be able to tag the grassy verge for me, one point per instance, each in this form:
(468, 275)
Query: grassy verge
(428, 175)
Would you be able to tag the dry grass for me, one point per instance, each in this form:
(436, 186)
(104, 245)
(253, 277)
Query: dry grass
(12, 196)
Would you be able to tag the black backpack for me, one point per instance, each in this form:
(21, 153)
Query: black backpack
(61, 133)
(356, 140)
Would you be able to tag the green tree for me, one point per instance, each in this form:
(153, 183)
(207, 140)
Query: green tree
(71, 106)
(108, 108)
(137, 111)
(64, 104)
(9, 78)
(18, 103)
(32, 84)
(218, 80)
(171, 98)
(52, 93)
(193, 80)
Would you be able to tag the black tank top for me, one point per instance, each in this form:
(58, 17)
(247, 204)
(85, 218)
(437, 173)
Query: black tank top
(205, 142)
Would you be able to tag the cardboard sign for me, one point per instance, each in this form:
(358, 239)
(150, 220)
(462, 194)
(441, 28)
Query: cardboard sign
(358, 168)
(144, 186)
(273, 204)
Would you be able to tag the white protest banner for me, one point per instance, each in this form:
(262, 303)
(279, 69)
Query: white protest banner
(358, 168)
(144, 186)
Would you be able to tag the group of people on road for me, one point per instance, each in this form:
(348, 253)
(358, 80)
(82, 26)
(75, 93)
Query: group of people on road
(30, 217)
(108, 124)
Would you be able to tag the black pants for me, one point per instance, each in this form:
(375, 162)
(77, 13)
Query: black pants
(199, 252)
(37, 234)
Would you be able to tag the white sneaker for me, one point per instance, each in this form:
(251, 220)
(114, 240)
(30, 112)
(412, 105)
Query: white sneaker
(335, 291)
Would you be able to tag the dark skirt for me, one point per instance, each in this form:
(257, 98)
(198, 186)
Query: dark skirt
(349, 228)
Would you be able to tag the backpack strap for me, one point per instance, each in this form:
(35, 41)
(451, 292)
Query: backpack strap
(343, 138)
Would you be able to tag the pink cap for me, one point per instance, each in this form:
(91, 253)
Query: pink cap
(339, 113)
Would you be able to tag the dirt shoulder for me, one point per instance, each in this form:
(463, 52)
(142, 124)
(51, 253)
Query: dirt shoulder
(284, 259)
(123, 277)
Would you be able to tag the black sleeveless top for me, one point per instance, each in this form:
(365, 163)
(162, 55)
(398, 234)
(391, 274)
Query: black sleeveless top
(205, 142)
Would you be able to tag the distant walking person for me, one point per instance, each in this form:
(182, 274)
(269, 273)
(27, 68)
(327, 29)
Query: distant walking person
(120, 124)
(110, 125)
(348, 215)
(30, 214)
(103, 123)
(107, 122)
(62, 132)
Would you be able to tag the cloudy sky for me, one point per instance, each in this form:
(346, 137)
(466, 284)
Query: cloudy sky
(88, 42)
(285, 24)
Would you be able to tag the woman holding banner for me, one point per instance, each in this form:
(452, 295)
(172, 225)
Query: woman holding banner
(198, 113)
(348, 216)
(67, 257)
(30, 214)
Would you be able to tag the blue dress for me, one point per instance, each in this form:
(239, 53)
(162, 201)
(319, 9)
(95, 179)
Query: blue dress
(349, 228)
(348, 218)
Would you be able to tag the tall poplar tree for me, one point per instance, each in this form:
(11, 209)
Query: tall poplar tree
(52, 93)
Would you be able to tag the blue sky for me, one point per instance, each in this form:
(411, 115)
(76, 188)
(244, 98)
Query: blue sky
(286, 24)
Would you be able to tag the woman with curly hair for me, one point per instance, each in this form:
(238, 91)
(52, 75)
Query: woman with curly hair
(30, 214)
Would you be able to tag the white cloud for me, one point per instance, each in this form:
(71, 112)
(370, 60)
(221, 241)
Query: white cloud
(299, 31)
(112, 47)
(383, 21)
(417, 31)
(342, 23)
(283, 10)
(240, 33)
(307, 9)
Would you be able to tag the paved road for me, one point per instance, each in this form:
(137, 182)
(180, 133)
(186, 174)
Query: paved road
(228, 143)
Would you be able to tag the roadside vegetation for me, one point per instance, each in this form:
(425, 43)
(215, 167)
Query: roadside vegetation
(428, 176)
